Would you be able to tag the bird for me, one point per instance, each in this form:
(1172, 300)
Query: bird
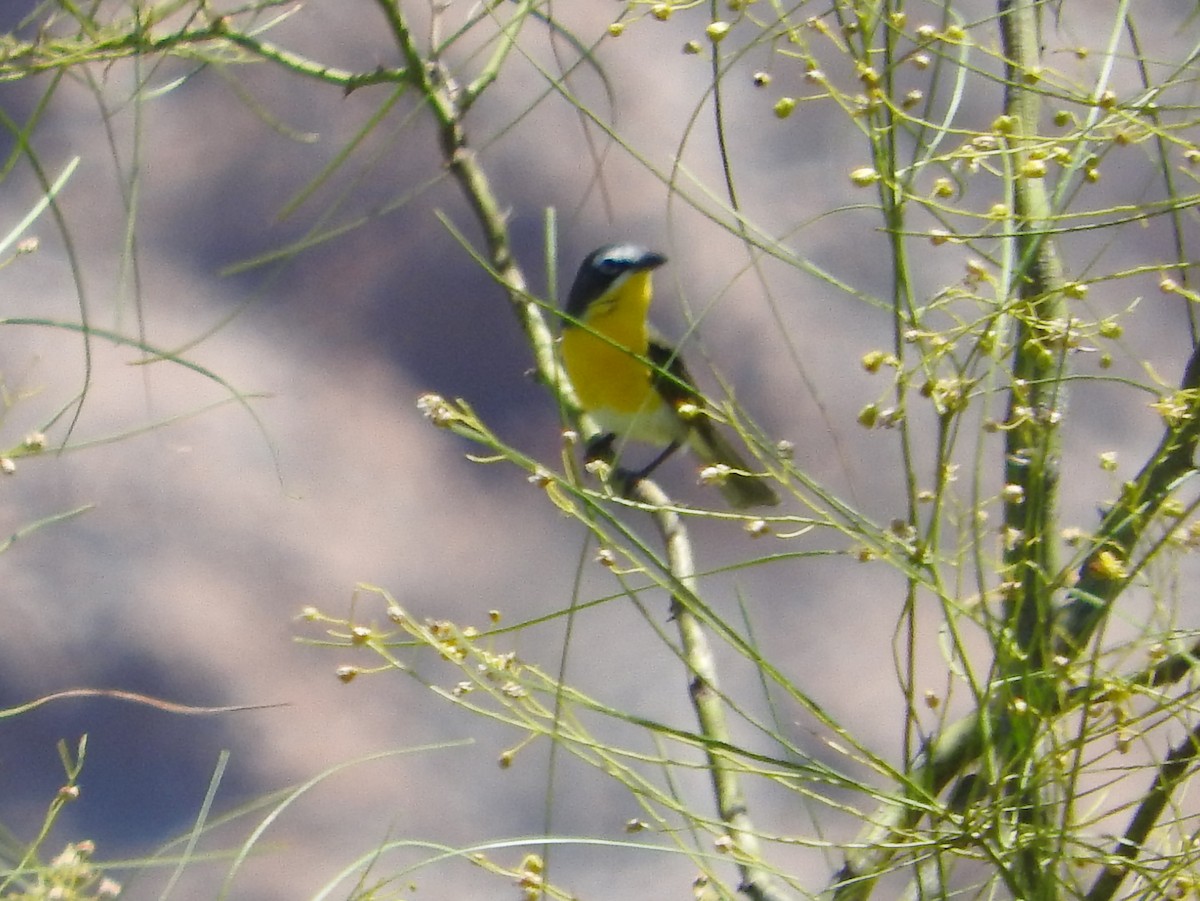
(632, 383)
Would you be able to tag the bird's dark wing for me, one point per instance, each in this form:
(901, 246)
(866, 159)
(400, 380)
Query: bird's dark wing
(672, 381)
(670, 377)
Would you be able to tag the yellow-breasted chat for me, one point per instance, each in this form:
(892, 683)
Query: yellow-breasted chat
(632, 383)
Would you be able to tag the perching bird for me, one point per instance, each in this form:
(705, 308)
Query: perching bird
(631, 382)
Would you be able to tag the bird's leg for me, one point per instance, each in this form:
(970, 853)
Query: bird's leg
(655, 463)
(600, 448)
(629, 478)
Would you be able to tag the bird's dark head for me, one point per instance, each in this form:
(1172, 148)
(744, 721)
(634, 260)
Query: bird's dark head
(603, 268)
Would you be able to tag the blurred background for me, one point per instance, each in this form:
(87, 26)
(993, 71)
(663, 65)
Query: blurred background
(208, 534)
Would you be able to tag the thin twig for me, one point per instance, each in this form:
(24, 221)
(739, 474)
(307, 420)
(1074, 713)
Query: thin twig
(445, 99)
(757, 882)
(1171, 773)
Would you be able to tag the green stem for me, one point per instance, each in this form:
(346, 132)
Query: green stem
(1032, 452)
(1035, 400)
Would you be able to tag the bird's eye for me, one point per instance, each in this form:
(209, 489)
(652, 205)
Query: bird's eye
(610, 266)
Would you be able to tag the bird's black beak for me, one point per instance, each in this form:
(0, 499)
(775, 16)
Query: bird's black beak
(650, 260)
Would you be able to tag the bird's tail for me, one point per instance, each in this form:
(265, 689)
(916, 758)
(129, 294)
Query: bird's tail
(714, 449)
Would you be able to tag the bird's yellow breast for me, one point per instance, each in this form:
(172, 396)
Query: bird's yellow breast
(604, 361)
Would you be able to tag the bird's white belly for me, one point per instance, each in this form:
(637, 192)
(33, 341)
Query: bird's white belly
(660, 425)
